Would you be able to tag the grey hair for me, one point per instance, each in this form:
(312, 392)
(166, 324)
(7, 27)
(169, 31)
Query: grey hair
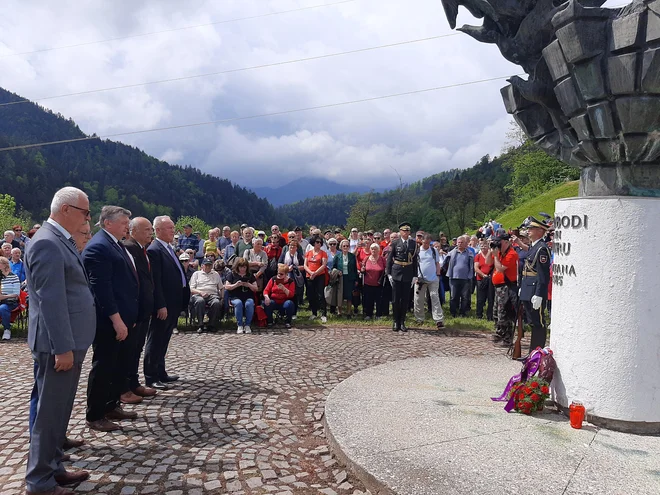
(258, 240)
(15, 249)
(112, 213)
(7, 232)
(5, 244)
(427, 237)
(65, 196)
(159, 220)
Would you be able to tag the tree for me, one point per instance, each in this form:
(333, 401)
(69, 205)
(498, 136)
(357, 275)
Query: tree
(361, 211)
(198, 225)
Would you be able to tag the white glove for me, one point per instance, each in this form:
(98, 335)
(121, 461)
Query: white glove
(536, 302)
(414, 280)
(391, 279)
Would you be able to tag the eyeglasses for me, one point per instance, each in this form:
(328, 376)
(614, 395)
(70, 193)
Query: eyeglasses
(86, 213)
(18, 230)
(318, 242)
(377, 238)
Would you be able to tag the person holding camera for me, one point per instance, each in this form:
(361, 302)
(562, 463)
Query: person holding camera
(242, 286)
(505, 281)
(428, 280)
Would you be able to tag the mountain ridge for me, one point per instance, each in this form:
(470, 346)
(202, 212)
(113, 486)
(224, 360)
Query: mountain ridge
(299, 189)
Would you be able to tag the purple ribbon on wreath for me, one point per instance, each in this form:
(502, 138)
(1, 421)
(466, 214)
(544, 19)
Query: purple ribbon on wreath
(530, 367)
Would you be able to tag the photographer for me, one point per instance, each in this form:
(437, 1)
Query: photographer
(428, 279)
(505, 278)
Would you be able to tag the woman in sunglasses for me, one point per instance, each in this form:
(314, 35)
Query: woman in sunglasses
(316, 261)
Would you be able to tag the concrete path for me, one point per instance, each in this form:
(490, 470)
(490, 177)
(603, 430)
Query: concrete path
(427, 427)
(245, 418)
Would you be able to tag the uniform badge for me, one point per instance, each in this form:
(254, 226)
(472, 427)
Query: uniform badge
(543, 258)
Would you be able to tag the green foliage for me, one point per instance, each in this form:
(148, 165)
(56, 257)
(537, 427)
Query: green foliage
(361, 215)
(198, 225)
(112, 173)
(533, 171)
(543, 202)
(9, 217)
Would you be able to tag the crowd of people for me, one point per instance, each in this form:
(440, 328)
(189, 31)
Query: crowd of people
(123, 290)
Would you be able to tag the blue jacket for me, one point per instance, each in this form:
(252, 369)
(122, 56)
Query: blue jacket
(18, 269)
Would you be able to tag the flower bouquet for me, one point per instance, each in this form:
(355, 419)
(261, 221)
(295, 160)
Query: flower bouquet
(531, 395)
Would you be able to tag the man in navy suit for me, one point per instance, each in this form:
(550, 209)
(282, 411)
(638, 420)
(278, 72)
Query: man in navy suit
(170, 291)
(60, 330)
(141, 234)
(114, 283)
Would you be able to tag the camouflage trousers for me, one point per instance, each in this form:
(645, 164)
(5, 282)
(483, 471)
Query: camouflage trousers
(506, 302)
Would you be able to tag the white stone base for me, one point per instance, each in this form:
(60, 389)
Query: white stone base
(606, 309)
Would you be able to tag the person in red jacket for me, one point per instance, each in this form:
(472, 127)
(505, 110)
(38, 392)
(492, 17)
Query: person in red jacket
(279, 294)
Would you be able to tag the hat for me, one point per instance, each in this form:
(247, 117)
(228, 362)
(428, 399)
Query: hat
(184, 257)
(297, 229)
(261, 232)
(244, 225)
(404, 226)
(500, 232)
(354, 229)
(502, 237)
(337, 231)
(332, 240)
(187, 226)
(533, 222)
(327, 232)
(196, 233)
(369, 232)
(176, 236)
(207, 261)
(419, 232)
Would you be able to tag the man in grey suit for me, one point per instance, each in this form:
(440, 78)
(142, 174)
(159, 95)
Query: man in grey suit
(62, 325)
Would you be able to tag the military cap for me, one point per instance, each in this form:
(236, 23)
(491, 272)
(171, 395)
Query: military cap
(533, 222)
(404, 226)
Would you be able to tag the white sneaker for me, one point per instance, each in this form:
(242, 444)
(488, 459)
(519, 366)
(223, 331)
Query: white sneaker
(313, 317)
(200, 330)
(239, 329)
(294, 317)
(324, 319)
(247, 329)
(175, 331)
(6, 335)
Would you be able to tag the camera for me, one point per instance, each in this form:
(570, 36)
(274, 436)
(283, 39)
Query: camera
(496, 244)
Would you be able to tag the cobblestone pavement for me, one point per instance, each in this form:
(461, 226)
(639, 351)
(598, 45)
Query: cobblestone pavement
(245, 418)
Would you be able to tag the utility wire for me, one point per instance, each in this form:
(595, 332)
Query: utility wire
(235, 119)
(228, 71)
(226, 21)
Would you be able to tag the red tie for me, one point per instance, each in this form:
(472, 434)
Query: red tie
(147, 257)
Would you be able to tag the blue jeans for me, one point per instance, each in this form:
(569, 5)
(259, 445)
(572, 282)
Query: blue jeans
(286, 306)
(239, 307)
(5, 313)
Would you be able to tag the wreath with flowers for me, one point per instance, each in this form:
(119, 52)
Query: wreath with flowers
(530, 396)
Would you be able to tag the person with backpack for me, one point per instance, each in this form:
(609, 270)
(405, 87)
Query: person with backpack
(505, 281)
(279, 295)
(460, 273)
(428, 280)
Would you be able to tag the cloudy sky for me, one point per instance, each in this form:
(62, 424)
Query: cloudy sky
(416, 135)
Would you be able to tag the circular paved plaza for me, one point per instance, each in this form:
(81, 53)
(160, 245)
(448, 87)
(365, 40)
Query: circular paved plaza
(246, 416)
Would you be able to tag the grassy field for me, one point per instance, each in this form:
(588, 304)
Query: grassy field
(545, 202)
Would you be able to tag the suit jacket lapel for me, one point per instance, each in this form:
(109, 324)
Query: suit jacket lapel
(69, 246)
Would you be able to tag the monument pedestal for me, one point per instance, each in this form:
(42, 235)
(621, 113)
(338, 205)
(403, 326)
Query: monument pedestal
(606, 309)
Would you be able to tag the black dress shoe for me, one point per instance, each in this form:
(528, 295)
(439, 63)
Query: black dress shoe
(404, 328)
(158, 386)
(170, 378)
(395, 327)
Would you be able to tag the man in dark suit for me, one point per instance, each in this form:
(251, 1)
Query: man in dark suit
(61, 328)
(401, 269)
(141, 233)
(114, 283)
(171, 292)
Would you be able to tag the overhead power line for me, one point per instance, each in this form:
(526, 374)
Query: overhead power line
(236, 119)
(183, 28)
(228, 71)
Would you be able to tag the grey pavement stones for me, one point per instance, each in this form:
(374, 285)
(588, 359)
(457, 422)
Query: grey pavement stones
(427, 426)
(245, 418)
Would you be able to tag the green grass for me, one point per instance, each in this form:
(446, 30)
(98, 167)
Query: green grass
(545, 202)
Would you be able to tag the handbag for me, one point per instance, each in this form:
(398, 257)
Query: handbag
(298, 277)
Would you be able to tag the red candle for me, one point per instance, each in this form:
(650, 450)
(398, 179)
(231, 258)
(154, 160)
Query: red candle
(576, 414)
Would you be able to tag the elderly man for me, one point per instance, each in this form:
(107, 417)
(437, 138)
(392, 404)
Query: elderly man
(428, 280)
(225, 239)
(460, 274)
(61, 328)
(206, 289)
(10, 238)
(114, 281)
(141, 232)
(188, 240)
(245, 243)
(170, 291)
(230, 249)
(17, 266)
(6, 250)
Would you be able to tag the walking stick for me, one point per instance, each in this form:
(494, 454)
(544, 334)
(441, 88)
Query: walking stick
(517, 351)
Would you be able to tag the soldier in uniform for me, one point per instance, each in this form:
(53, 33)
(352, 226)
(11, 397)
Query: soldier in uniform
(535, 278)
(401, 269)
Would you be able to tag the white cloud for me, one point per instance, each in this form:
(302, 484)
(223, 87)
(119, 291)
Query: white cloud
(418, 134)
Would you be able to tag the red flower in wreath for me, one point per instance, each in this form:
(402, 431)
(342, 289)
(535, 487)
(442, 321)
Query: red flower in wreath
(528, 390)
(535, 384)
(545, 389)
(535, 397)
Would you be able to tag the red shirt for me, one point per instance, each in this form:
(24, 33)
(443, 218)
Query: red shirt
(273, 290)
(315, 260)
(361, 256)
(373, 271)
(480, 261)
(510, 261)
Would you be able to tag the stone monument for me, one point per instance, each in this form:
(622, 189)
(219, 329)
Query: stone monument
(592, 99)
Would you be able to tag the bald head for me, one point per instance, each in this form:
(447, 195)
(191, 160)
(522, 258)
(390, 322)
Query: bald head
(141, 230)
